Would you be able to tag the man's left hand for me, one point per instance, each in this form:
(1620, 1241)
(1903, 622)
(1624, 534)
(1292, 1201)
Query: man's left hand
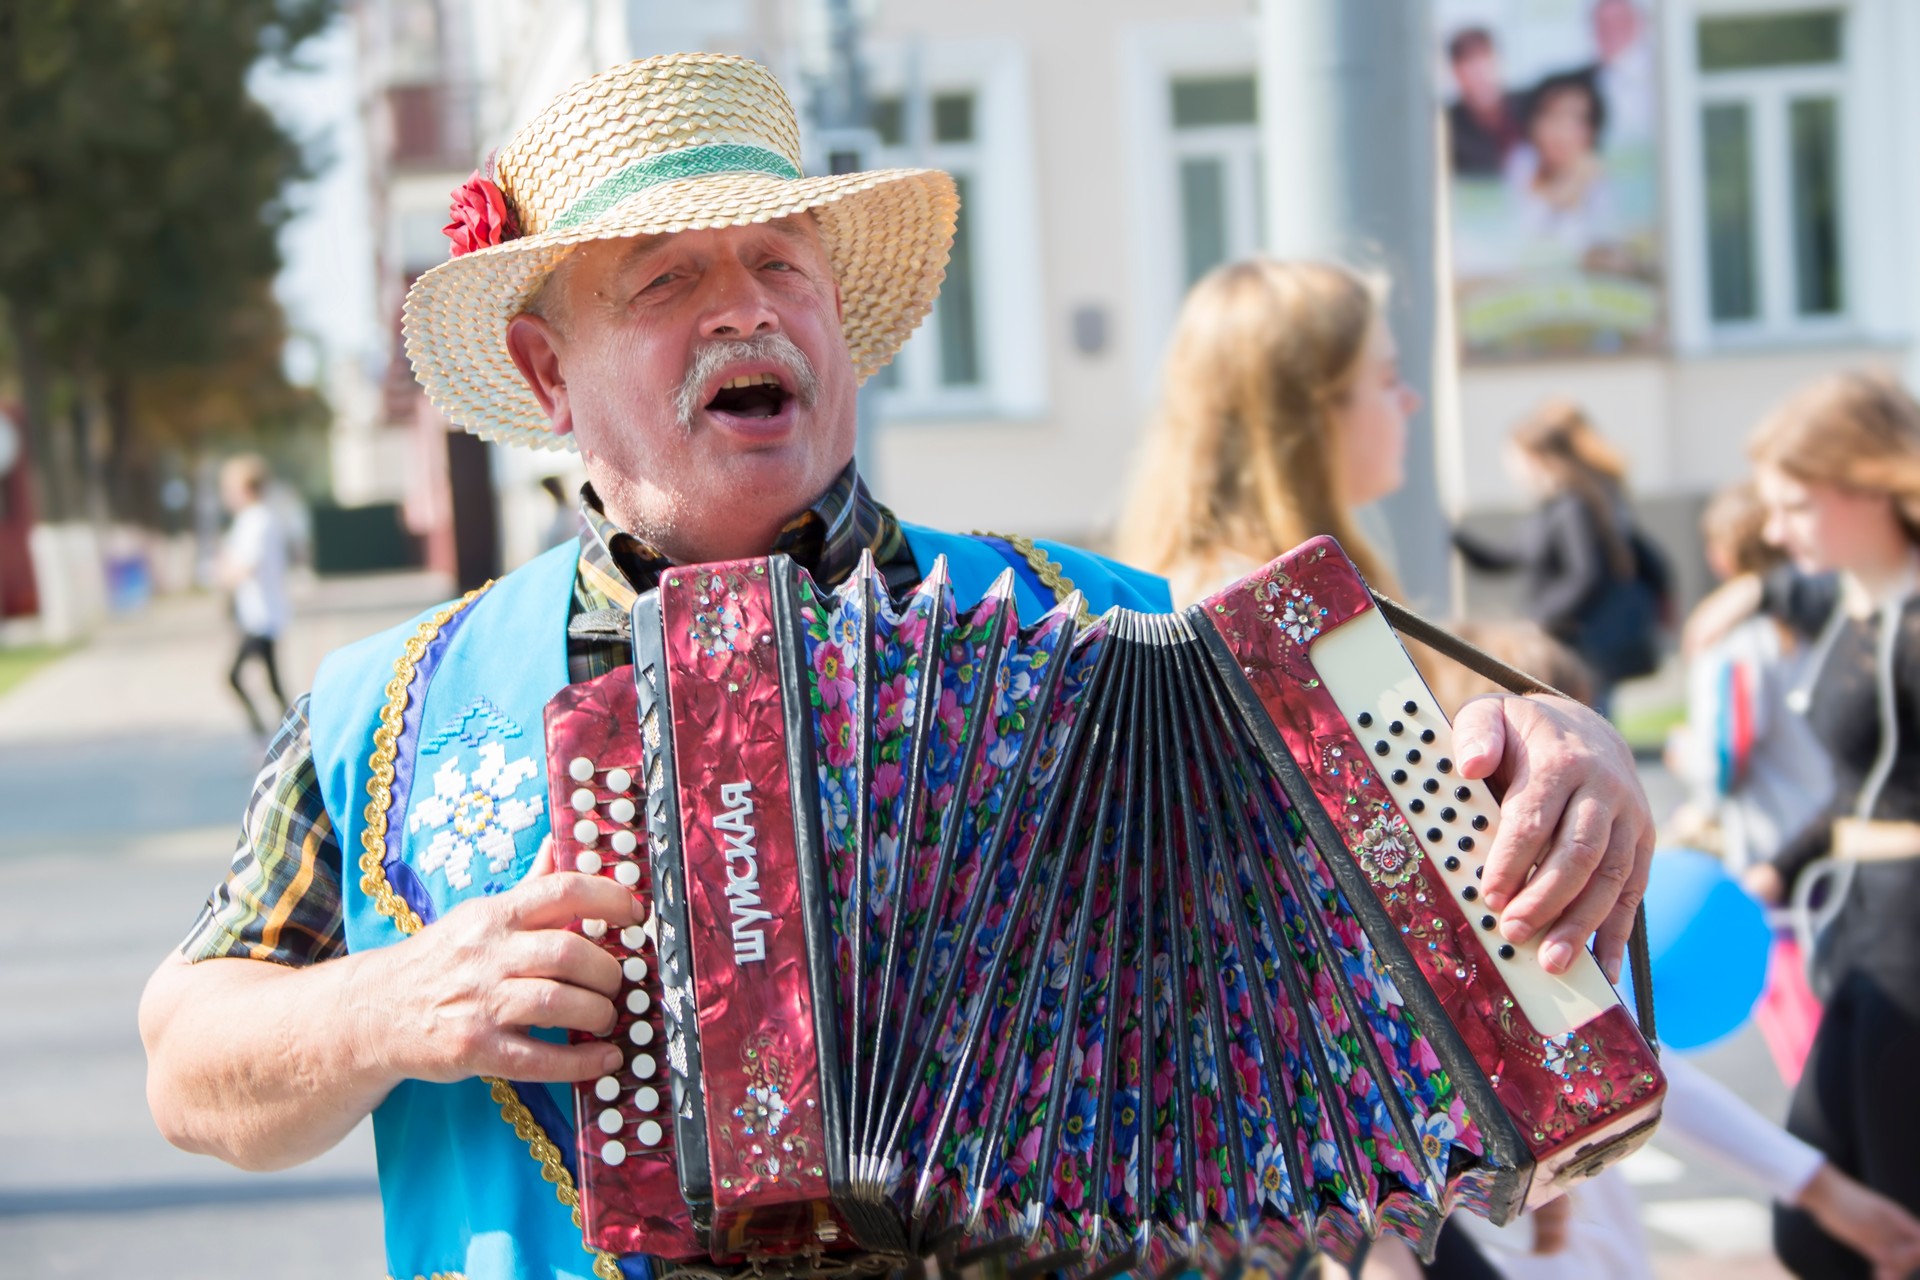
(1576, 835)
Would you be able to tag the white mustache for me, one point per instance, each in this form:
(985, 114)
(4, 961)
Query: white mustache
(715, 356)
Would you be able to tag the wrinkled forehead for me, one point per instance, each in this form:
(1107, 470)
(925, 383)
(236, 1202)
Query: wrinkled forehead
(797, 233)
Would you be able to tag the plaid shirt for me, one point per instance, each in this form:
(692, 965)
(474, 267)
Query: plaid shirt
(282, 898)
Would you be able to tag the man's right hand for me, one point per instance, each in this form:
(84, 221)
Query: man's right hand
(457, 998)
(266, 1066)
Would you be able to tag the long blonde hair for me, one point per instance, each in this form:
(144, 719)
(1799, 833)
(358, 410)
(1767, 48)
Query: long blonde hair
(1857, 431)
(1240, 459)
(1563, 442)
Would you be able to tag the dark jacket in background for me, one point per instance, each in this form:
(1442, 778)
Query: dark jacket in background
(1561, 553)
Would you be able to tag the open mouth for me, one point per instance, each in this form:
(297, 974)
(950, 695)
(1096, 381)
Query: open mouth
(751, 396)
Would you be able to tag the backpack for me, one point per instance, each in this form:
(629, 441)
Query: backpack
(1619, 629)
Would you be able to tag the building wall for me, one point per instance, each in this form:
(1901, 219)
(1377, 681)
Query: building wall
(1075, 208)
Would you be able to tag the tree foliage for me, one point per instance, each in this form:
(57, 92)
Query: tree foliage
(142, 190)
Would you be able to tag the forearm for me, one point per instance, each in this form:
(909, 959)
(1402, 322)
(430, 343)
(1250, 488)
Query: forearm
(262, 1065)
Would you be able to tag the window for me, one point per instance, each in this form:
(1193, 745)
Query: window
(946, 355)
(1772, 105)
(1216, 151)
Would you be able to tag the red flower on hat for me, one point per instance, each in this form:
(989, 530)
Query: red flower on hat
(481, 218)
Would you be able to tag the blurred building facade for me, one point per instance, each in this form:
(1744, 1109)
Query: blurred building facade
(1109, 155)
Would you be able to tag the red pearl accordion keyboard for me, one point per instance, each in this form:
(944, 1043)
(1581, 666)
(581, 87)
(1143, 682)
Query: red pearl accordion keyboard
(1124, 943)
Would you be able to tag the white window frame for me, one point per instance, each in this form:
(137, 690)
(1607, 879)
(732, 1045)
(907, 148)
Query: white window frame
(1152, 56)
(1863, 84)
(1237, 147)
(1003, 225)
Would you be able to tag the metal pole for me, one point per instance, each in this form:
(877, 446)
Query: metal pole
(1349, 138)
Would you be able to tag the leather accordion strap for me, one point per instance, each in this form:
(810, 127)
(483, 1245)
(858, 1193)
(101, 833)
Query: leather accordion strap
(1479, 661)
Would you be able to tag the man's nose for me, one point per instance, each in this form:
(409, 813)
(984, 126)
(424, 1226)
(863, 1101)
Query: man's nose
(738, 306)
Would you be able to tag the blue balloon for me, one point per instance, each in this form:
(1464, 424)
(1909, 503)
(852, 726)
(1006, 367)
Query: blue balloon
(1709, 942)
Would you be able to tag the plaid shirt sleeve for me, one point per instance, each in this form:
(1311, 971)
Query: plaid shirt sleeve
(281, 900)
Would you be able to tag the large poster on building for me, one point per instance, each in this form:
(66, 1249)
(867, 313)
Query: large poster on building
(1552, 110)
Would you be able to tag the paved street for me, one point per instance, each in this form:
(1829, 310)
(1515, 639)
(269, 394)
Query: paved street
(122, 773)
(122, 770)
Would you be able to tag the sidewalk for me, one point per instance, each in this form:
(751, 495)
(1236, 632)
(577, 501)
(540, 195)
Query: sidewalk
(123, 770)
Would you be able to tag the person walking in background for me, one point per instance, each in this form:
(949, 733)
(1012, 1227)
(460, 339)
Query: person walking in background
(1592, 581)
(253, 568)
(1756, 774)
(1838, 470)
(1283, 411)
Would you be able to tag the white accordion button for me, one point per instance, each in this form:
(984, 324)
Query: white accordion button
(627, 873)
(580, 769)
(633, 967)
(586, 831)
(590, 863)
(646, 1098)
(631, 937)
(649, 1133)
(637, 1001)
(615, 1152)
(621, 810)
(643, 1063)
(606, 1088)
(641, 1034)
(595, 929)
(610, 1121)
(624, 842)
(618, 779)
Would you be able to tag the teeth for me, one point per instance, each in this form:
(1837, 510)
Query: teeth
(751, 380)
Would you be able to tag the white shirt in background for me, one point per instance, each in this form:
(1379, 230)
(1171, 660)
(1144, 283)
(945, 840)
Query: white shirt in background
(257, 545)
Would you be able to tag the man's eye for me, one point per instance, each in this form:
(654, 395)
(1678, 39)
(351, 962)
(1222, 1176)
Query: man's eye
(777, 265)
(665, 277)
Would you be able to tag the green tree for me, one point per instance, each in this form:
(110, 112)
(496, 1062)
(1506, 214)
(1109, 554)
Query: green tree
(142, 190)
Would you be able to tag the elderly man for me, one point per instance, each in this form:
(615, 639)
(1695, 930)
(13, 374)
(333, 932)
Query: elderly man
(654, 283)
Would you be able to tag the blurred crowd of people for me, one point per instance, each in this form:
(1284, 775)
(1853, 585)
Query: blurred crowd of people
(1284, 412)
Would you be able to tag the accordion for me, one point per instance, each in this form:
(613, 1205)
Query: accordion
(1126, 943)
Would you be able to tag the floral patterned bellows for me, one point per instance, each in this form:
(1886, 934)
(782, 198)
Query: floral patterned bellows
(1152, 940)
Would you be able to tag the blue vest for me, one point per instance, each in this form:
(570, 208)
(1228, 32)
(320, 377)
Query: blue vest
(429, 747)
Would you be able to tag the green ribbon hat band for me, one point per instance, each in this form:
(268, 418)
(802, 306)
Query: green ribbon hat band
(687, 162)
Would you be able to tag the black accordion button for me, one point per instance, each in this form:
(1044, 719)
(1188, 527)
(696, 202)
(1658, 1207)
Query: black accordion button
(1452, 863)
(1448, 814)
(1396, 727)
(1426, 735)
(1413, 755)
(1466, 843)
(1478, 871)
(1411, 707)
(1479, 822)
(1417, 805)
(1399, 776)
(1469, 893)
(1443, 764)
(1487, 922)
(1366, 719)
(1381, 748)
(1430, 786)
(1506, 951)
(1463, 794)
(1433, 833)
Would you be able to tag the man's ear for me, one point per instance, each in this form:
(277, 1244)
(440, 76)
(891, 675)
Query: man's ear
(535, 349)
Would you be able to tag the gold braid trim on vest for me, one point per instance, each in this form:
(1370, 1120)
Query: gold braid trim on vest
(374, 883)
(1049, 571)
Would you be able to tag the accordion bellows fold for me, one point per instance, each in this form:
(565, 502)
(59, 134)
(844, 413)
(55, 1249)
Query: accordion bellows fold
(1143, 943)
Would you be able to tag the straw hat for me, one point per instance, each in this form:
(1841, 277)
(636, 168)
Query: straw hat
(673, 143)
